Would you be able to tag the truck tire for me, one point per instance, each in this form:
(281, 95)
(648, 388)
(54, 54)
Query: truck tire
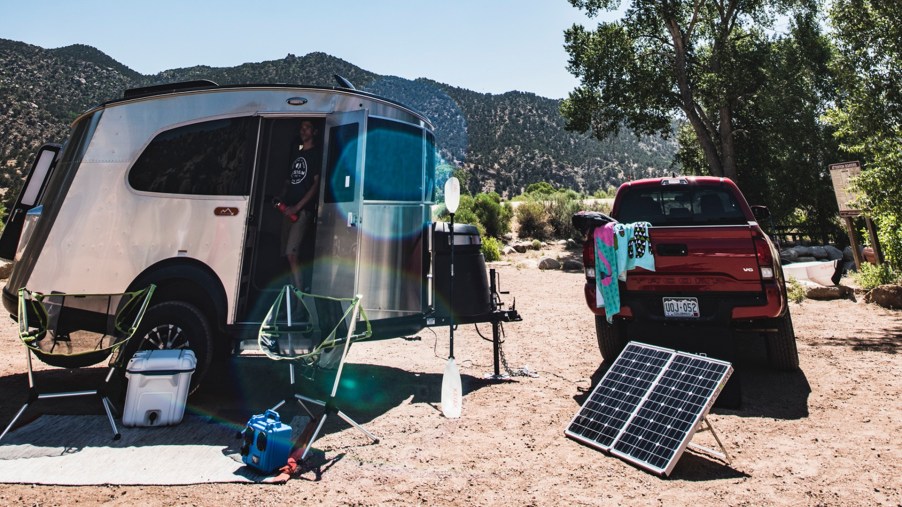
(782, 353)
(176, 325)
(610, 340)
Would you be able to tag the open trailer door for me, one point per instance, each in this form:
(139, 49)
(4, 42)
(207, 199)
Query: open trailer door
(335, 265)
(28, 198)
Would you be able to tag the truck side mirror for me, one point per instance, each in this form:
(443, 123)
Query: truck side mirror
(760, 212)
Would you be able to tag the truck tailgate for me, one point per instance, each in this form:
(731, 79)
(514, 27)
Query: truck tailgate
(700, 259)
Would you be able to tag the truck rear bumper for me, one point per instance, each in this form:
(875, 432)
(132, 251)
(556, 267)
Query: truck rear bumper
(716, 308)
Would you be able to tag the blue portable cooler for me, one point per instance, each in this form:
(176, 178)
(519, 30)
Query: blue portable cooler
(267, 442)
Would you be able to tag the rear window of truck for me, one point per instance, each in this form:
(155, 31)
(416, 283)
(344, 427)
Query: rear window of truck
(680, 206)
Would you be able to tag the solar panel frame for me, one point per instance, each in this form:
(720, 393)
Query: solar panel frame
(613, 401)
(664, 412)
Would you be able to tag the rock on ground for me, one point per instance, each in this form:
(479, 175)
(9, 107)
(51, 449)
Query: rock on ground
(5, 269)
(887, 296)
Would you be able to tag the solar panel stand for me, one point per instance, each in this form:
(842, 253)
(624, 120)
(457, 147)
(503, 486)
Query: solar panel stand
(722, 454)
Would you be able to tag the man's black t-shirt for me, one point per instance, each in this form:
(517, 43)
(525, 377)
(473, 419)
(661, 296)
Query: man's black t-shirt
(303, 166)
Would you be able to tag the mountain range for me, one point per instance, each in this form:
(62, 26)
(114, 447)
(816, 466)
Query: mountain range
(504, 141)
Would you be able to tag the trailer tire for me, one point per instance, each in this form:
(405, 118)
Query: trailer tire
(611, 340)
(782, 353)
(176, 325)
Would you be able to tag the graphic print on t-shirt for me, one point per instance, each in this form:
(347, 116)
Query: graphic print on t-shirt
(298, 170)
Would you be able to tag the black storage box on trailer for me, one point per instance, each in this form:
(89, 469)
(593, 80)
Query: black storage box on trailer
(471, 281)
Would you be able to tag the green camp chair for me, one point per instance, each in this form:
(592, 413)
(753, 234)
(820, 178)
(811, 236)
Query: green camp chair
(314, 330)
(77, 331)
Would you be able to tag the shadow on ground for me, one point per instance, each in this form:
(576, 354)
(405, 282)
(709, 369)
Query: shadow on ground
(248, 386)
(888, 341)
(753, 390)
(235, 391)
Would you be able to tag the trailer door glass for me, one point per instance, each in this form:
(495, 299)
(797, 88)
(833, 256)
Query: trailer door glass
(430, 167)
(209, 158)
(341, 165)
(394, 161)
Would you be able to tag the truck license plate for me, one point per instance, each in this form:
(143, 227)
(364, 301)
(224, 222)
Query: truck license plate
(681, 307)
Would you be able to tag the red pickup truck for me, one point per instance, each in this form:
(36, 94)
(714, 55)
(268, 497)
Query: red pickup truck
(714, 267)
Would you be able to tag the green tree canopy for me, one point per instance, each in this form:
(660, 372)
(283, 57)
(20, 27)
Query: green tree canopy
(868, 114)
(669, 58)
(782, 145)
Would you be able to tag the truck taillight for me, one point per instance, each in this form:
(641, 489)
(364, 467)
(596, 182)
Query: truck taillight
(765, 256)
(589, 255)
(31, 221)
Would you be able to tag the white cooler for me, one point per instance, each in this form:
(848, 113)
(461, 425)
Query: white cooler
(158, 383)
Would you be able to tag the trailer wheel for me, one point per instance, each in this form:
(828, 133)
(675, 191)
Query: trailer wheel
(176, 325)
(782, 353)
(611, 340)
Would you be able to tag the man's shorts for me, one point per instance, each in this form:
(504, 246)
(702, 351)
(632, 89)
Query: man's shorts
(293, 232)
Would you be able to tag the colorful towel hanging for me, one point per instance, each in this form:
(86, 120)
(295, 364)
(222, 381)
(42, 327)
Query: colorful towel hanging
(619, 248)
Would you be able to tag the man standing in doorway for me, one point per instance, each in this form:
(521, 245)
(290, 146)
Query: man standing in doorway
(300, 196)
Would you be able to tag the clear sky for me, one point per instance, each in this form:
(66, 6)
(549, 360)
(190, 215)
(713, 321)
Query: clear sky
(491, 46)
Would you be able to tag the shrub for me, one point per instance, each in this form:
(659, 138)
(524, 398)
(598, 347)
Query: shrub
(491, 249)
(889, 233)
(532, 221)
(560, 210)
(556, 211)
(542, 188)
(870, 276)
(485, 211)
(492, 215)
(794, 290)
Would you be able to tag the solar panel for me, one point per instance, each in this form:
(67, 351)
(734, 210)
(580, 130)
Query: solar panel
(649, 404)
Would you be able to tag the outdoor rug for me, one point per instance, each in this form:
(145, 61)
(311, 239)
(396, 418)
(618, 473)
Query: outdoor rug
(80, 450)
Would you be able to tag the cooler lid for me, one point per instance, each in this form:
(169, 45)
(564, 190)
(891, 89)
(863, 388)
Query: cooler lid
(178, 360)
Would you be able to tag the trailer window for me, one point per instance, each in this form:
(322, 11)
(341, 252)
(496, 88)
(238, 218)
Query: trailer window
(69, 159)
(394, 161)
(209, 158)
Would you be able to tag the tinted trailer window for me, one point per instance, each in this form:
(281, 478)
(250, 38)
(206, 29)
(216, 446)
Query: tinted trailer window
(394, 161)
(209, 158)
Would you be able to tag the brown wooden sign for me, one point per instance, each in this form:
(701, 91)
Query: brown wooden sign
(842, 175)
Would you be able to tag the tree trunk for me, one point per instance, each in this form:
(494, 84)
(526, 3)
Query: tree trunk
(703, 132)
(706, 141)
(728, 150)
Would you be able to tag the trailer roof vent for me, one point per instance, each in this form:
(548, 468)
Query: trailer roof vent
(160, 89)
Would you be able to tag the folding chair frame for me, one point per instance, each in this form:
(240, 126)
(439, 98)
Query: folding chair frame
(34, 395)
(329, 406)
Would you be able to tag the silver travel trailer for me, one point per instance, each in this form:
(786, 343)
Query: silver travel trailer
(173, 185)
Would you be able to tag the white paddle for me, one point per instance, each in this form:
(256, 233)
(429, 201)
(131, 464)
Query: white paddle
(452, 394)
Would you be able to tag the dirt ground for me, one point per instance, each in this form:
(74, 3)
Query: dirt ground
(825, 435)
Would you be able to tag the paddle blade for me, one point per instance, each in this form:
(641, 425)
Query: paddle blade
(452, 394)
